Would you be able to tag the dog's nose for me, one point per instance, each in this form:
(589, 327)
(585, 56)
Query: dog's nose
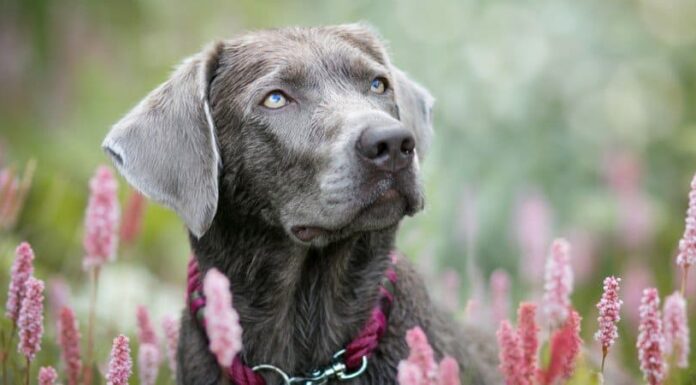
(387, 148)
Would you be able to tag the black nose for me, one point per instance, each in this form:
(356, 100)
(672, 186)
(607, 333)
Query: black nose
(387, 148)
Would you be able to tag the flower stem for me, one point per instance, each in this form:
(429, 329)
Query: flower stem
(685, 274)
(604, 358)
(6, 352)
(89, 363)
(26, 382)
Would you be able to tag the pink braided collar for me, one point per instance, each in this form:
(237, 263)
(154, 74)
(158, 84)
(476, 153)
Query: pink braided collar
(347, 363)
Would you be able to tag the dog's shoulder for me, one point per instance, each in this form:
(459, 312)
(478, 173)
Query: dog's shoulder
(473, 347)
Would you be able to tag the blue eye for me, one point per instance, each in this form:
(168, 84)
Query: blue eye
(378, 85)
(275, 100)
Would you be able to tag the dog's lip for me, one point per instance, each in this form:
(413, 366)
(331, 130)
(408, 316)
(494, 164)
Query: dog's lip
(307, 233)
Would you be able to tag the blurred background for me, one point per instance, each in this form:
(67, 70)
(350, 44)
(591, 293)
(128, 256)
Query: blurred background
(553, 119)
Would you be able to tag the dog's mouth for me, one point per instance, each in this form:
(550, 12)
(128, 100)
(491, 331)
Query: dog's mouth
(308, 233)
(380, 206)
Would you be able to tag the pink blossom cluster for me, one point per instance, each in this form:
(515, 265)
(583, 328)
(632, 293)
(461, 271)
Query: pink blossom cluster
(528, 331)
(558, 283)
(533, 222)
(500, 294)
(69, 342)
(47, 376)
(22, 269)
(511, 355)
(101, 219)
(58, 295)
(609, 308)
(564, 349)
(149, 355)
(170, 325)
(676, 329)
(650, 338)
(146, 331)
(519, 349)
(222, 321)
(132, 216)
(687, 245)
(30, 320)
(420, 368)
(120, 364)
(148, 363)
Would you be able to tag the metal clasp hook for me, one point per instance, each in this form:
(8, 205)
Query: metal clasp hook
(336, 370)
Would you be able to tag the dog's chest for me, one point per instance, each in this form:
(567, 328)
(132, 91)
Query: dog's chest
(304, 333)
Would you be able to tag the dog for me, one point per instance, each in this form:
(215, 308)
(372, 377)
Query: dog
(292, 155)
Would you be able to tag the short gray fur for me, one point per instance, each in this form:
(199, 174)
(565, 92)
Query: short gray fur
(243, 187)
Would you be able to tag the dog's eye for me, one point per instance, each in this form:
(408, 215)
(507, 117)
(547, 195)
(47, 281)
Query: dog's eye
(378, 85)
(275, 100)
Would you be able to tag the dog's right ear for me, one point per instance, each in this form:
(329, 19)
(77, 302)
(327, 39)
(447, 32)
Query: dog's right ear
(166, 146)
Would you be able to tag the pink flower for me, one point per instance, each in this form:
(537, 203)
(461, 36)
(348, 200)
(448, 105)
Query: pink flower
(533, 222)
(687, 245)
(171, 338)
(146, 333)
(22, 269)
(650, 339)
(558, 283)
(449, 371)
(222, 321)
(58, 295)
(69, 342)
(609, 307)
(676, 329)
(565, 347)
(148, 363)
(622, 170)
(120, 364)
(528, 331)
(500, 294)
(635, 213)
(584, 261)
(421, 353)
(47, 376)
(410, 374)
(420, 368)
(101, 220)
(133, 216)
(636, 277)
(31, 319)
(512, 362)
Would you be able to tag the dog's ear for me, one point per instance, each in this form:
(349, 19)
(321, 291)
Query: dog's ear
(166, 146)
(415, 109)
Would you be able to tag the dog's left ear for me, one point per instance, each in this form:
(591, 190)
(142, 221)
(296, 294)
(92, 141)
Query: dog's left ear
(415, 109)
(166, 147)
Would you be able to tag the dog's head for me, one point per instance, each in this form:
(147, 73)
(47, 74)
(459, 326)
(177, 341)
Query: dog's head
(326, 133)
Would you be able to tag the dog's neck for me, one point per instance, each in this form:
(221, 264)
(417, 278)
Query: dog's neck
(298, 305)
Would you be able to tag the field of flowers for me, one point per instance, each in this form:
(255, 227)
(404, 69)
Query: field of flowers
(527, 355)
(557, 185)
